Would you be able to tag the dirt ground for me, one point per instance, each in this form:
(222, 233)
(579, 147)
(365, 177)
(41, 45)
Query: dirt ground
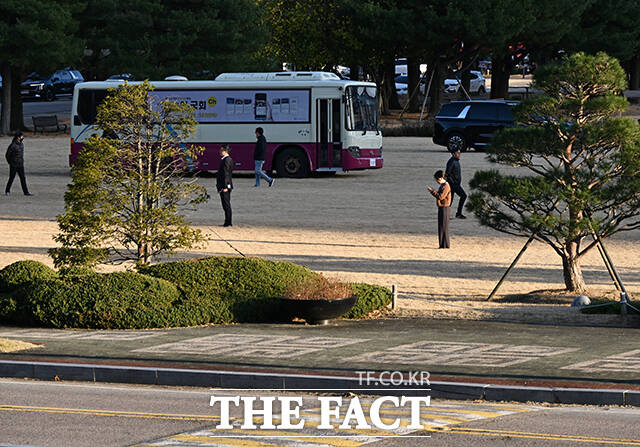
(373, 226)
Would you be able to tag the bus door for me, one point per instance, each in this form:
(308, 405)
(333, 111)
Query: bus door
(329, 146)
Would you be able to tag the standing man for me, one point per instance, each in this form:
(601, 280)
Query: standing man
(443, 200)
(15, 158)
(259, 155)
(224, 183)
(454, 176)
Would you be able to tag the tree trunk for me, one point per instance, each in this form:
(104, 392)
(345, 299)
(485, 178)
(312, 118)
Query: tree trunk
(573, 279)
(390, 85)
(435, 94)
(500, 71)
(634, 81)
(354, 72)
(5, 115)
(413, 75)
(17, 119)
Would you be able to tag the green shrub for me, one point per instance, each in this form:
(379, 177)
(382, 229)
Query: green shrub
(15, 275)
(183, 293)
(370, 298)
(609, 307)
(122, 300)
(76, 271)
(225, 289)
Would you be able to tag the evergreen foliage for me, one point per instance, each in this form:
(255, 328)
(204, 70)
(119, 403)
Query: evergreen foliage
(370, 298)
(184, 293)
(224, 290)
(584, 157)
(121, 300)
(128, 188)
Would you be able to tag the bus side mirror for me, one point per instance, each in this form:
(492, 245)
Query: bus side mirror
(76, 120)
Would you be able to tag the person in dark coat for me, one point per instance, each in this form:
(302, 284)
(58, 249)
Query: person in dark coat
(259, 156)
(443, 200)
(454, 177)
(15, 158)
(224, 183)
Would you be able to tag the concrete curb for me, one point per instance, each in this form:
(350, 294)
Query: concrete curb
(247, 380)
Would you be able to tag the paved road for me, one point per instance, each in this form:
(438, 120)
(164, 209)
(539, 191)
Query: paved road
(60, 107)
(62, 414)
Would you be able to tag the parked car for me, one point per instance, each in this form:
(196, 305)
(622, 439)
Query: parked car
(460, 125)
(477, 84)
(121, 77)
(402, 85)
(61, 82)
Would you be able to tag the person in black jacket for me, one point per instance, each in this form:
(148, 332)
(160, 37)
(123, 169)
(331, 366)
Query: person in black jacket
(224, 183)
(259, 155)
(15, 158)
(454, 177)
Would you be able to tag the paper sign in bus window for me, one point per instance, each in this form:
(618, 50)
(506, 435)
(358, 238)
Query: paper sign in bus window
(261, 106)
(239, 106)
(247, 106)
(275, 105)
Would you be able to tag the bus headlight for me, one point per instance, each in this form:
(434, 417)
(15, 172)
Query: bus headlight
(354, 151)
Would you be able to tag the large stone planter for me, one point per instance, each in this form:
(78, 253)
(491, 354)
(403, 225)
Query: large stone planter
(317, 311)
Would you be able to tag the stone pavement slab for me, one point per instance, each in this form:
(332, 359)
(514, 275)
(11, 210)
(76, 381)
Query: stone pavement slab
(489, 357)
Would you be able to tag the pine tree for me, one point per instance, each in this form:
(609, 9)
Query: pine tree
(129, 186)
(584, 157)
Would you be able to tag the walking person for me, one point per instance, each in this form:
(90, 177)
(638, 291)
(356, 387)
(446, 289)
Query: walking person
(224, 183)
(443, 200)
(259, 155)
(15, 158)
(453, 174)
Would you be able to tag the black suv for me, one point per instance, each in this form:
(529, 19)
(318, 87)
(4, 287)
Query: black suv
(59, 83)
(464, 124)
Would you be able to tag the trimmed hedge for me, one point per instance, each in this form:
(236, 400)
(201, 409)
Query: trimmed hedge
(609, 307)
(370, 298)
(21, 272)
(226, 290)
(122, 300)
(13, 277)
(183, 293)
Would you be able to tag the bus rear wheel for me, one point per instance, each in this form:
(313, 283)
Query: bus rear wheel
(292, 163)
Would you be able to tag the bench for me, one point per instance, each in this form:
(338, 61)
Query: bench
(49, 121)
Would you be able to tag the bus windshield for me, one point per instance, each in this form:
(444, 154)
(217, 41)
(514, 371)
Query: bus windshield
(362, 108)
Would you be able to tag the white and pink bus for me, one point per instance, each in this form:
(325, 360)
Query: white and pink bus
(313, 121)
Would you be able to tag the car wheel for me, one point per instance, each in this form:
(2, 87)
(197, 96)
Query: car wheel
(49, 95)
(456, 142)
(481, 90)
(292, 163)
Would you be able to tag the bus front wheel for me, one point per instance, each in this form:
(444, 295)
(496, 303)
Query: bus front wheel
(292, 163)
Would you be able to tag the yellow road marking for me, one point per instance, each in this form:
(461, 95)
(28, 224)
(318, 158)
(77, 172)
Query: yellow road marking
(310, 423)
(221, 441)
(404, 422)
(306, 437)
(529, 435)
(485, 414)
(110, 413)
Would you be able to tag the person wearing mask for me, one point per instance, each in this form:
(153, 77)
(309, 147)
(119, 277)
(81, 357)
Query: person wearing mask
(15, 158)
